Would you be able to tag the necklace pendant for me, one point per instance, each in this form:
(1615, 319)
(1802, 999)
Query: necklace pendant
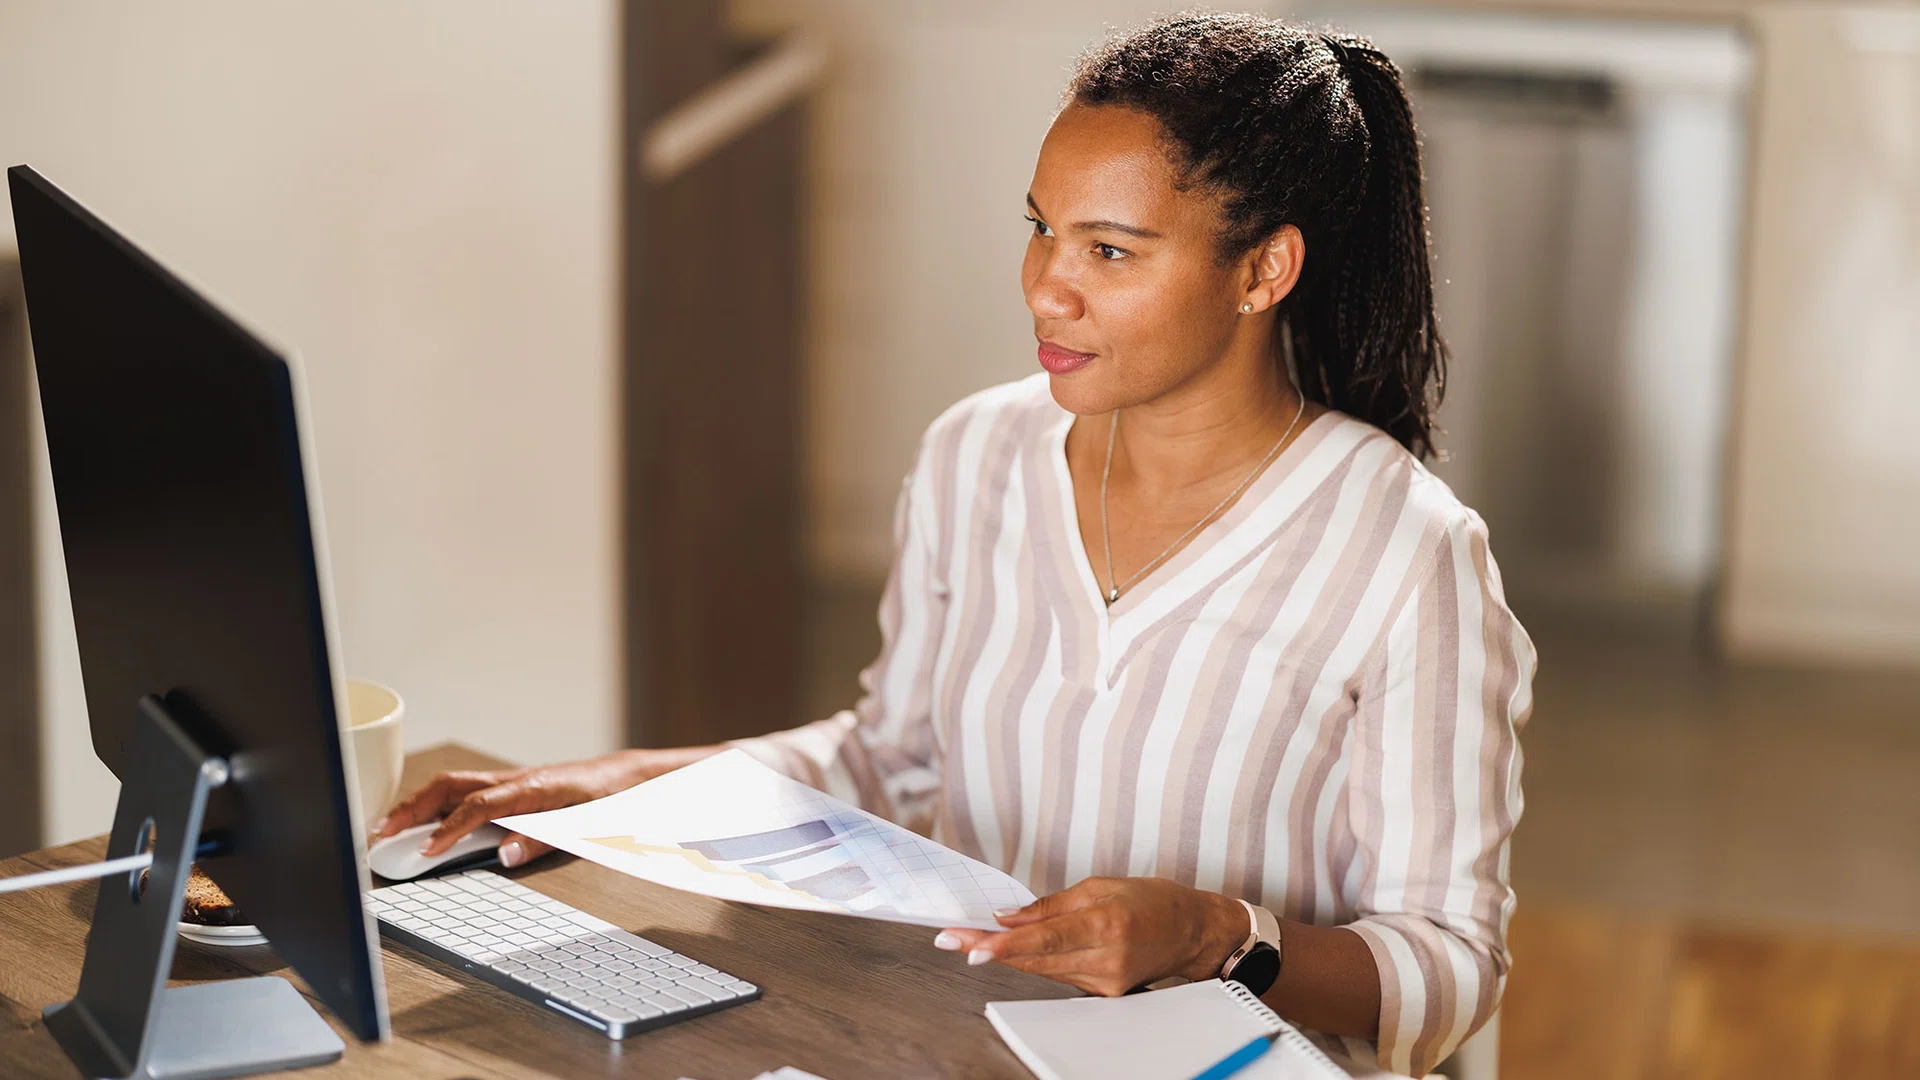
(1112, 596)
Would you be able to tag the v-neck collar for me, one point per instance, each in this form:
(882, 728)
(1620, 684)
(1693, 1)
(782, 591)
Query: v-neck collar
(1253, 519)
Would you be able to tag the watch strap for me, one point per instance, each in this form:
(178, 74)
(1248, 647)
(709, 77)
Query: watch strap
(1262, 926)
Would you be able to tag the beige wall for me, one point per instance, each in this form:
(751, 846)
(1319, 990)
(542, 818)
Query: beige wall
(419, 196)
(1825, 509)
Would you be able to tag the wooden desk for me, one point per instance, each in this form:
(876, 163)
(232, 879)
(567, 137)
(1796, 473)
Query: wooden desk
(846, 998)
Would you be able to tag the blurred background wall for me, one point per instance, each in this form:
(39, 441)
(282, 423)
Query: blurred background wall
(1825, 511)
(420, 199)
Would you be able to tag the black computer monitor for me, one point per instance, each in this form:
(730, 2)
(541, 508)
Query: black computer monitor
(190, 531)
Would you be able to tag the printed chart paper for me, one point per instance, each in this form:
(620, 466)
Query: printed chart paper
(733, 828)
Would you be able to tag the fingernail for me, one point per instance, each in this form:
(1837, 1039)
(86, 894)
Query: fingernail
(1003, 912)
(380, 825)
(944, 940)
(978, 957)
(512, 854)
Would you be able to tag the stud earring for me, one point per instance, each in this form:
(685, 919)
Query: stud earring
(1246, 309)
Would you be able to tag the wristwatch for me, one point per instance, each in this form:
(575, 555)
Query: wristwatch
(1256, 963)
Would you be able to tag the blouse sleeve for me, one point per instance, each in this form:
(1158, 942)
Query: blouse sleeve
(882, 755)
(1434, 798)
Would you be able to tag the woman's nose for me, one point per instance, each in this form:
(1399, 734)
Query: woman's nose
(1048, 297)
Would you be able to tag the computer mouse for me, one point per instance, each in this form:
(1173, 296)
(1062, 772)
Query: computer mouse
(398, 858)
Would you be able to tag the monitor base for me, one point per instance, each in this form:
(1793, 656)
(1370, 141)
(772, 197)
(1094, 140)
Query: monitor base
(124, 1021)
(238, 1027)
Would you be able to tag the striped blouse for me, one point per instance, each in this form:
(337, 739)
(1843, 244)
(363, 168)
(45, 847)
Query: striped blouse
(1313, 705)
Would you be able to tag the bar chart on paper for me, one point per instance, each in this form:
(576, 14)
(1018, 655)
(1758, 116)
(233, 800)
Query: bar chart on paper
(730, 827)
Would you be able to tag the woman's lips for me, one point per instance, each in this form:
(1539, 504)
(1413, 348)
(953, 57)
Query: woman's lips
(1059, 361)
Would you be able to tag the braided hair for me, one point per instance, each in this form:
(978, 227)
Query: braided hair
(1290, 126)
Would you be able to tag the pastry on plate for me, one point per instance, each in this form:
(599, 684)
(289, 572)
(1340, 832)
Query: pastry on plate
(206, 905)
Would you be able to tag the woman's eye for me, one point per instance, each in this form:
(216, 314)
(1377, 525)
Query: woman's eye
(1109, 252)
(1039, 227)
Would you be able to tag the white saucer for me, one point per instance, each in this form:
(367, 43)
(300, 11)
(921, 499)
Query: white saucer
(222, 935)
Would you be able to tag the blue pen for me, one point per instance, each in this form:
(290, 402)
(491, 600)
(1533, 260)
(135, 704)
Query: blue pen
(1237, 1060)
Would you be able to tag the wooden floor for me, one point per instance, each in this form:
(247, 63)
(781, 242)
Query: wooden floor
(1658, 784)
(1718, 870)
(1605, 996)
(1718, 867)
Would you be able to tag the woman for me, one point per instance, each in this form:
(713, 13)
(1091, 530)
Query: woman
(1167, 629)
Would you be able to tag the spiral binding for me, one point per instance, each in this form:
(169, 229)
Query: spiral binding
(1285, 1032)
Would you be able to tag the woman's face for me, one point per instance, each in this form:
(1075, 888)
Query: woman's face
(1129, 299)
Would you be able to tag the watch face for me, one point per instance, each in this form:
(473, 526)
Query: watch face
(1257, 970)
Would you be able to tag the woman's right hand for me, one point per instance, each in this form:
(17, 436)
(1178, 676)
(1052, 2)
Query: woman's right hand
(464, 801)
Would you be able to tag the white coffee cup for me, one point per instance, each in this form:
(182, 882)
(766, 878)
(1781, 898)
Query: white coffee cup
(373, 716)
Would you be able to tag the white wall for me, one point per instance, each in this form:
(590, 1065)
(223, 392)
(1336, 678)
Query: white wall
(420, 198)
(1825, 511)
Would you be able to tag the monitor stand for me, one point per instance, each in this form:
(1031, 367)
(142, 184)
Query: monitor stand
(124, 1021)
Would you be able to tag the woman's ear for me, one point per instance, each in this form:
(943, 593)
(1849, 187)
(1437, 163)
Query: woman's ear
(1272, 269)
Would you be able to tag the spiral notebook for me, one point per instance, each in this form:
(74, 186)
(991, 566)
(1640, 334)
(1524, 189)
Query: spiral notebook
(1170, 1034)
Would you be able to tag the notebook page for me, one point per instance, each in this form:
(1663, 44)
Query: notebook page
(1287, 1061)
(1163, 1035)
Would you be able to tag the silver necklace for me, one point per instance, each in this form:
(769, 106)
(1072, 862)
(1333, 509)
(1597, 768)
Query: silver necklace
(1106, 536)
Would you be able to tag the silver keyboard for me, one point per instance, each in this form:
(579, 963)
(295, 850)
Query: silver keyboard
(556, 956)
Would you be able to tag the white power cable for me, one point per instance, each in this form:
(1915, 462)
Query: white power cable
(41, 880)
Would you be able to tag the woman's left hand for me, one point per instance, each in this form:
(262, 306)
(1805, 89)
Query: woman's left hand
(1109, 935)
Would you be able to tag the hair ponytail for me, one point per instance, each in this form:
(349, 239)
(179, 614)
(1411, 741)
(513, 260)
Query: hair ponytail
(1294, 127)
(1371, 331)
